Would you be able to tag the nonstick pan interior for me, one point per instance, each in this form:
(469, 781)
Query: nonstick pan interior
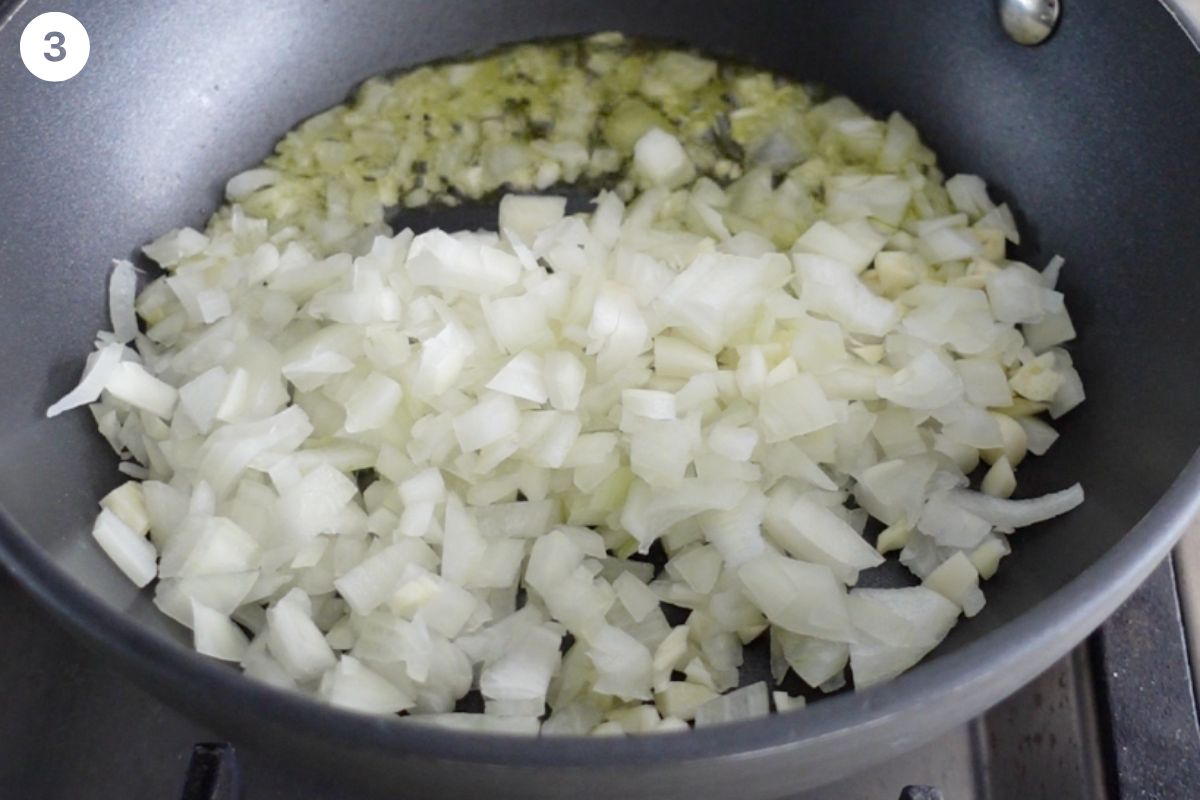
(1092, 138)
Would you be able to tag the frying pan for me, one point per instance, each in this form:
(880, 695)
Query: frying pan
(1093, 137)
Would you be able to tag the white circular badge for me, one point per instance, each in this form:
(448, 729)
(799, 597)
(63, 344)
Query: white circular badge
(55, 46)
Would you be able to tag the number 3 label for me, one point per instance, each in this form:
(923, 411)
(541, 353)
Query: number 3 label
(55, 46)
(57, 51)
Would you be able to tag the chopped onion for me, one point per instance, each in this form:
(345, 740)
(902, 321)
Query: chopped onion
(899, 626)
(1008, 515)
(957, 579)
(99, 369)
(637, 598)
(524, 669)
(831, 289)
(132, 384)
(521, 377)
(623, 665)
(814, 660)
(415, 464)
(797, 596)
(745, 703)
(660, 159)
(216, 635)
(352, 685)
(294, 640)
(122, 290)
(130, 551)
(808, 530)
(128, 503)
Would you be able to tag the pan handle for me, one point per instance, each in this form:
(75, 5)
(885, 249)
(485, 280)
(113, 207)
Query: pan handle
(213, 773)
(921, 793)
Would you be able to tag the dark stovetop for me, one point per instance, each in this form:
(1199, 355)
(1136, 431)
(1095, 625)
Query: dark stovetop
(1116, 719)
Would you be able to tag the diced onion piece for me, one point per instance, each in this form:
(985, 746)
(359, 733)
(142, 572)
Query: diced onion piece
(373, 580)
(794, 407)
(131, 383)
(786, 702)
(883, 197)
(100, 367)
(832, 289)
(681, 699)
(952, 523)
(660, 159)
(122, 290)
(645, 404)
(202, 398)
(564, 377)
(1009, 515)
(678, 358)
(699, 568)
(745, 703)
(949, 244)
(999, 480)
(1039, 435)
(1037, 380)
(734, 443)
(969, 194)
(1069, 394)
(984, 382)
(128, 503)
(490, 420)
(315, 504)
(924, 383)
(128, 549)
(986, 557)
(854, 243)
(893, 537)
(623, 665)
(294, 640)
(1017, 295)
(574, 719)
(354, 686)
(214, 634)
(912, 622)
(810, 531)
(246, 183)
(209, 546)
(173, 247)
(521, 377)
(816, 661)
(957, 580)
(1013, 441)
(524, 670)
(1053, 329)
(637, 598)
(436, 258)
(373, 403)
(529, 215)
(797, 596)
